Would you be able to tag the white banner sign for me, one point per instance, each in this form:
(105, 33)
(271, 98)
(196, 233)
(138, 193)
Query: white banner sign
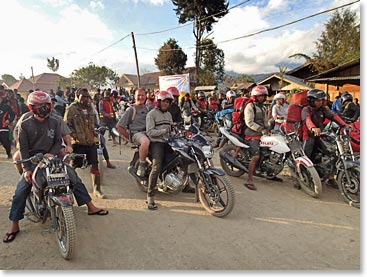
(181, 82)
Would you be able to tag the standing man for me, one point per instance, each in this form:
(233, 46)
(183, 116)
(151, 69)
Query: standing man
(175, 109)
(132, 126)
(79, 116)
(159, 122)
(107, 113)
(6, 117)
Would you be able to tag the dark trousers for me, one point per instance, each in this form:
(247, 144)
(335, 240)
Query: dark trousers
(89, 150)
(158, 151)
(5, 141)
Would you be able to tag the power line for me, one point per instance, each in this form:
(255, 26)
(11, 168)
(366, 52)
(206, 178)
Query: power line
(262, 31)
(109, 46)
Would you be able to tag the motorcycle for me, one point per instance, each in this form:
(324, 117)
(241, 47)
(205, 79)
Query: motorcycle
(334, 155)
(190, 158)
(208, 121)
(52, 196)
(276, 150)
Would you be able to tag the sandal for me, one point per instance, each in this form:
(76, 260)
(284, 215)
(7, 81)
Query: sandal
(99, 212)
(152, 206)
(250, 186)
(9, 237)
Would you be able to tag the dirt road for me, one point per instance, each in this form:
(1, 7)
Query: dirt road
(275, 227)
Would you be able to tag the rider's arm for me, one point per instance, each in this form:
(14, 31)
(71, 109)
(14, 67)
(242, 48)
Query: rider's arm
(249, 115)
(154, 130)
(124, 122)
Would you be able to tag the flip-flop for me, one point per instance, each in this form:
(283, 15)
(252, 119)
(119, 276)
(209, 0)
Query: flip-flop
(99, 212)
(250, 186)
(9, 237)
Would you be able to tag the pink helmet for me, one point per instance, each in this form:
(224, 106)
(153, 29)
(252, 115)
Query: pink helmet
(259, 90)
(173, 91)
(163, 95)
(38, 97)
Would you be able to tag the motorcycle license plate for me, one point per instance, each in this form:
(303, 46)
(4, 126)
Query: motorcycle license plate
(192, 168)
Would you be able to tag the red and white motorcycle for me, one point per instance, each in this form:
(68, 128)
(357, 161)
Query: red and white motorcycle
(276, 150)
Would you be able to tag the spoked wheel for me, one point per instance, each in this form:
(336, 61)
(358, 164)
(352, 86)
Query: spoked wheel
(227, 167)
(30, 205)
(219, 199)
(350, 191)
(310, 181)
(66, 231)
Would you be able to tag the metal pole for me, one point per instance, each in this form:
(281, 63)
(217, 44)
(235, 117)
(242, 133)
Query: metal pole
(136, 59)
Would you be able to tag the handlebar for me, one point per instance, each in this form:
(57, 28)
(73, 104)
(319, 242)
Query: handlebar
(39, 157)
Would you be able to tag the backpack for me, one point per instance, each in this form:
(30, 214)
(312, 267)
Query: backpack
(238, 123)
(238, 120)
(297, 102)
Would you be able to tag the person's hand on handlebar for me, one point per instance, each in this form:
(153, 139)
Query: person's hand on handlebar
(316, 131)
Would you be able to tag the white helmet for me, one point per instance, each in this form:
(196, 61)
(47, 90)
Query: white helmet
(230, 93)
(279, 96)
(259, 90)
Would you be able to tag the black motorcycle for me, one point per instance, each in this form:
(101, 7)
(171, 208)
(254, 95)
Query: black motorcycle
(190, 158)
(52, 196)
(333, 156)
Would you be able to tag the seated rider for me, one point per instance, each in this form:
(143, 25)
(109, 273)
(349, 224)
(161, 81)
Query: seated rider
(132, 125)
(40, 133)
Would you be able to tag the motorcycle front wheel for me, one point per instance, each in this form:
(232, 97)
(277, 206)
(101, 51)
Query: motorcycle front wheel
(65, 231)
(310, 181)
(350, 191)
(227, 167)
(219, 198)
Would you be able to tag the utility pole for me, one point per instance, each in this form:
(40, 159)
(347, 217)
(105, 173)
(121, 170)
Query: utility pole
(136, 59)
(32, 78)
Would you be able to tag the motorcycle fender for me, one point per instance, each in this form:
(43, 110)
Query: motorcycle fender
(63, 200)
(192, 168)
(305, 161)
(214, 171)
(351, 164)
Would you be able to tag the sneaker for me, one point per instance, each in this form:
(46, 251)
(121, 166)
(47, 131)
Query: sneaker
(141, 169)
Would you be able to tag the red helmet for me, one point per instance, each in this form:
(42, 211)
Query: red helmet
(174, 91)
(38, 97)
(163, 95)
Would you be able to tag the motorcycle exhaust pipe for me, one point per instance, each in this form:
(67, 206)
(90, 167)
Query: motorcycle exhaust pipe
(232, 161)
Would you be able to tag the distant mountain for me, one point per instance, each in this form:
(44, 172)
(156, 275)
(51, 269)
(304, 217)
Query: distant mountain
(257, 77)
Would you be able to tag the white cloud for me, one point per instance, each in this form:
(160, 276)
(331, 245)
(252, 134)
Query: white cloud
(57, 3)
(154, 2)
(96, 5)
(71, 37)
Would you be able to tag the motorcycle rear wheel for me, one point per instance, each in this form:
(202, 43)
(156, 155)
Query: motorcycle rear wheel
(310, 181)
(65, 231)
(350, 192)
(229, 169)
(220, 199)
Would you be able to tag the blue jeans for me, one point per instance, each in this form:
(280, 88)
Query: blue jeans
(23, 189)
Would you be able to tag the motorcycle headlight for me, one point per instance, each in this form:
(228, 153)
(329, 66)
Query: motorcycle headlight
(208, 151)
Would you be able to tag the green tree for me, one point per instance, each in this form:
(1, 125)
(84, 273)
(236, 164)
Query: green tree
(204, 14)
(171, 59)
(8, 79)
(212, 61)
(53, 64)
(93, 76)
(338, 43)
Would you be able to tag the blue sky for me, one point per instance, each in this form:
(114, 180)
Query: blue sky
(75, 31)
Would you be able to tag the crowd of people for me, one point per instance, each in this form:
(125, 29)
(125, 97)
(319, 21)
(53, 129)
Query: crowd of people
(60, 123)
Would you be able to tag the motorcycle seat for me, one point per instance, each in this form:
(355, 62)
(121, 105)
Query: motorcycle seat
(241, 139)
